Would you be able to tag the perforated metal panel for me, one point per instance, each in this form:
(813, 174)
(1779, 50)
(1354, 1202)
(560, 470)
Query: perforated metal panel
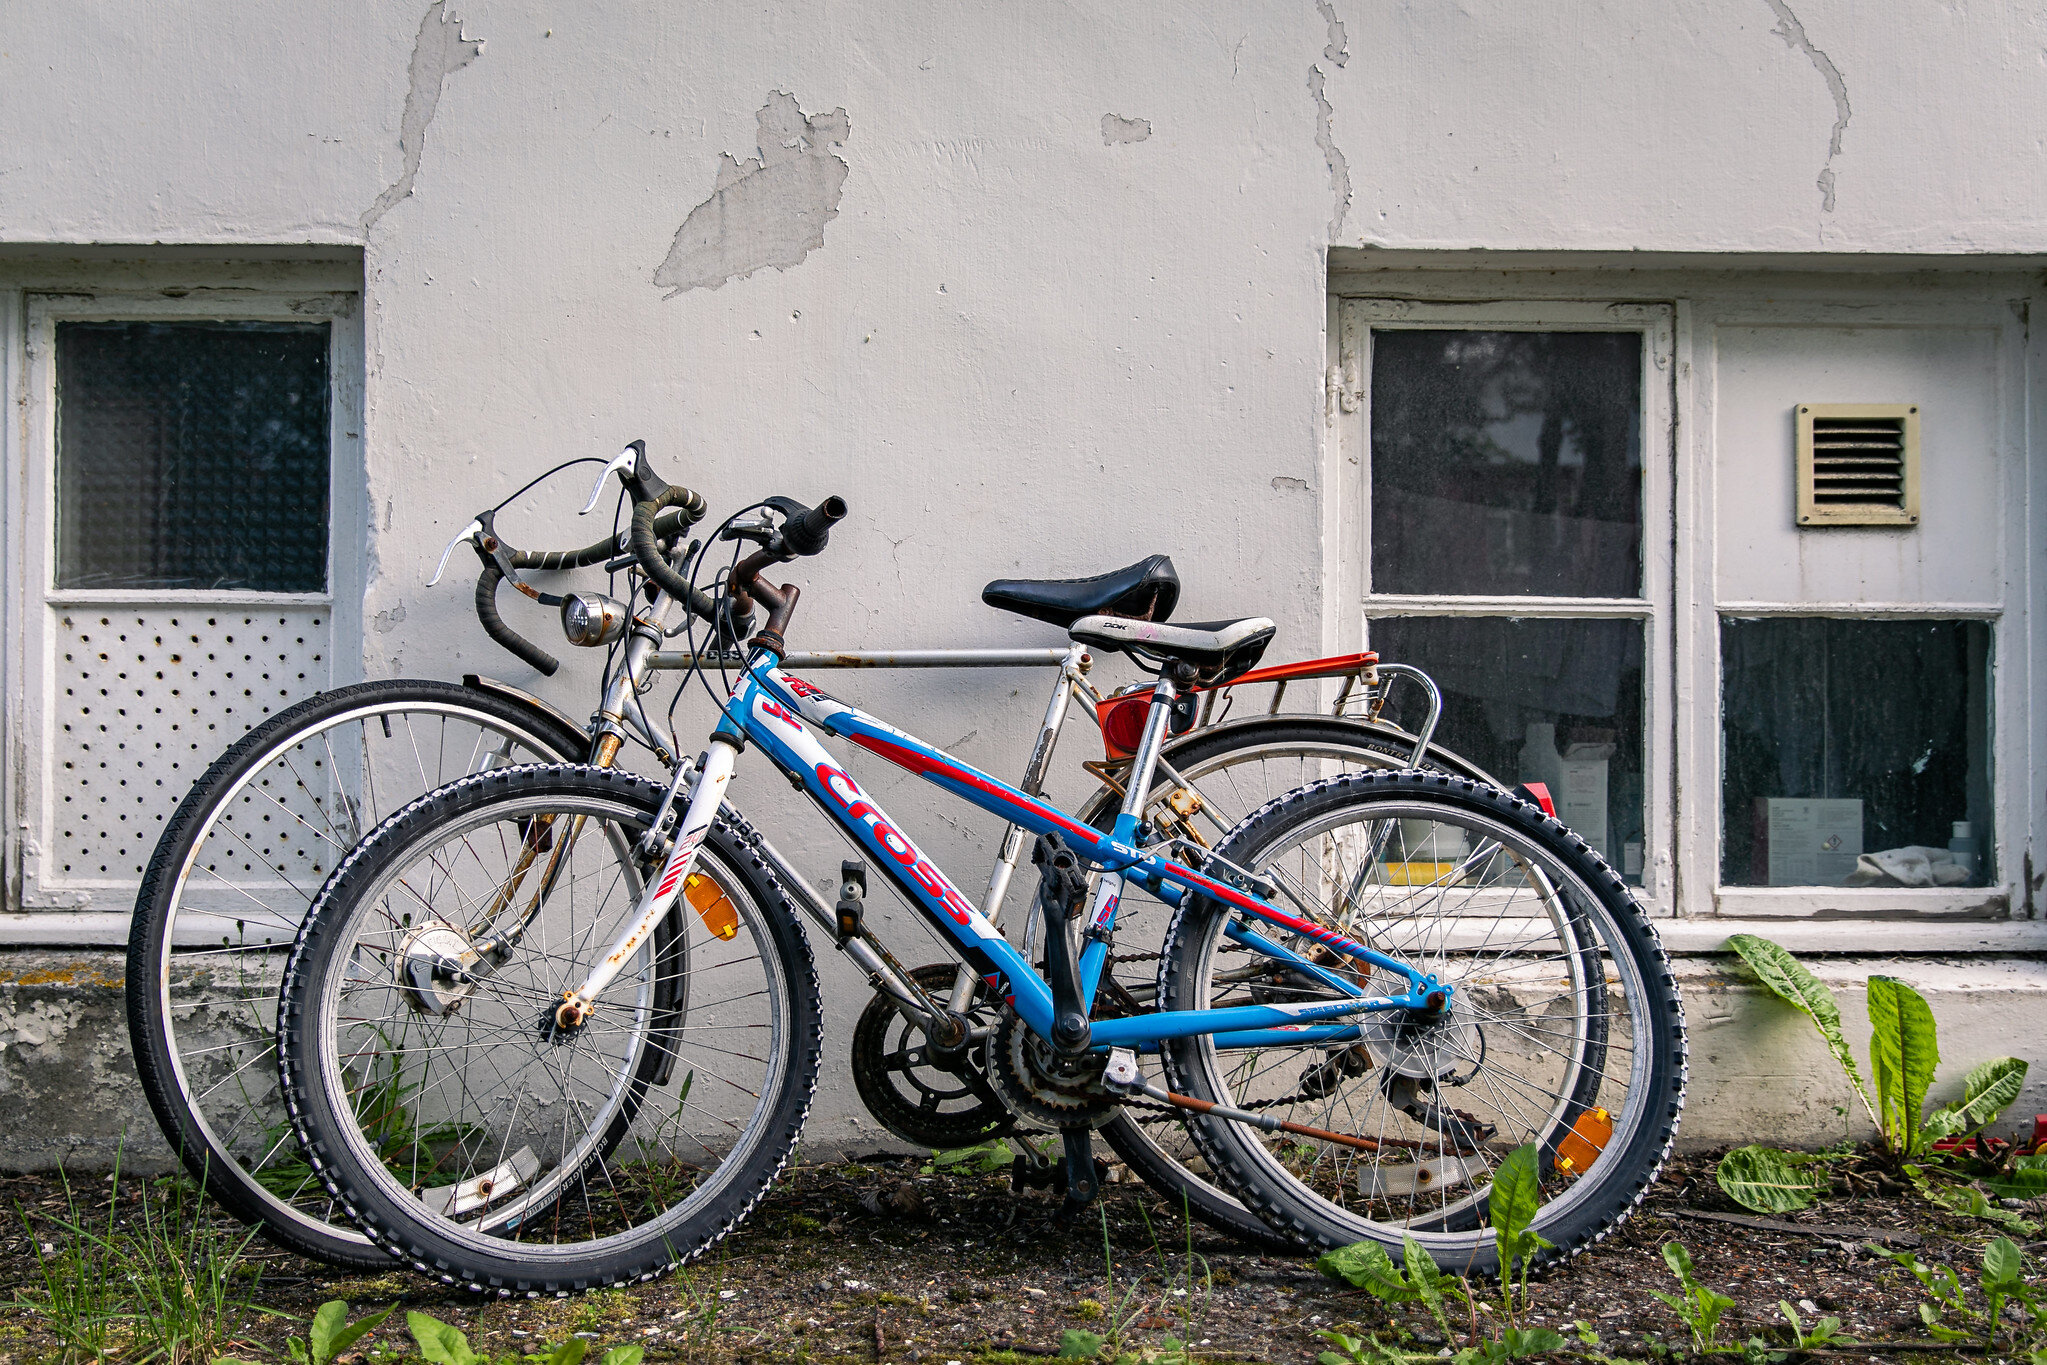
(146, 698)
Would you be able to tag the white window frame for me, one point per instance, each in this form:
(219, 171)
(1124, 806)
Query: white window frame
(1349, 522)
(30, 507)
(1954, 915)
(1737, 294)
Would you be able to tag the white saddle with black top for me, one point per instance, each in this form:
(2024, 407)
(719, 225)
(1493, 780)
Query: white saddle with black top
(1217, 650)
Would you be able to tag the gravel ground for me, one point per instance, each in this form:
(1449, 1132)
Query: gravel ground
(878, 1261)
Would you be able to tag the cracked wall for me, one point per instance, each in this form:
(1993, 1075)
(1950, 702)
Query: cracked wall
(440, 50)
(1117, 129)
(1792, 31)
(770, 210)
(1336, 53)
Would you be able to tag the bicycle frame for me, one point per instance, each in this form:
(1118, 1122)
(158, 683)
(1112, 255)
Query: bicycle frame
(770, 708)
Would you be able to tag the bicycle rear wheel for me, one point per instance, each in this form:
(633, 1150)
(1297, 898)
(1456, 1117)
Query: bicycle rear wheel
(466, 1131)
(227, 887)
(1563, 1028)
(1232, 769)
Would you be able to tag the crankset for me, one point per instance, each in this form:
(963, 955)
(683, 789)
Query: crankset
(933, 1099)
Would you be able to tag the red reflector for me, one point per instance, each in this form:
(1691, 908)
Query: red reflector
(1538, 792)
(1122, 720)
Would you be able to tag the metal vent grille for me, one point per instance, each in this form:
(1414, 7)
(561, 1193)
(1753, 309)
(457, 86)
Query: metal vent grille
(1858, 465)
(147, 698)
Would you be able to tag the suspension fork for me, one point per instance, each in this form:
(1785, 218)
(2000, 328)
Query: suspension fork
(708, 795)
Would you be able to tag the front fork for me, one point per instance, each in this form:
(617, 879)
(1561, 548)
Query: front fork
(705, 799)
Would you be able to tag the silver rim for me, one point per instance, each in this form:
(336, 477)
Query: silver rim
(260, 856)
(1535, 1040)
(510, 1142)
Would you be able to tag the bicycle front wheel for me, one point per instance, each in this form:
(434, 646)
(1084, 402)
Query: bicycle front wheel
(1562, 1028)
(233, 873)
(462, 1127)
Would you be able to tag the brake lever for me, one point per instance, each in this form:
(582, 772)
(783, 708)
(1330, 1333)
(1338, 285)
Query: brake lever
(760, 529)
(469, 533)
(623, 462)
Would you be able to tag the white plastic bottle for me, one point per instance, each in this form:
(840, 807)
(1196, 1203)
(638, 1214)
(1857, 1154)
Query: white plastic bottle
(1967, 850)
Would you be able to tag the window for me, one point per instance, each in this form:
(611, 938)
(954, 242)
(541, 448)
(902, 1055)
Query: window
(1855, 753)
(192, 502)
(1508, 478)
(1584, 519)
(192, 455)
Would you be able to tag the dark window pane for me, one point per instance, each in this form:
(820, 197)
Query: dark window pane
(1847, 738)
(192, 455)
(1507, 463)
(1558, 702)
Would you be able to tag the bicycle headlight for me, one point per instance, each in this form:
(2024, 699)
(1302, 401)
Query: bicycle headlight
(591, 618)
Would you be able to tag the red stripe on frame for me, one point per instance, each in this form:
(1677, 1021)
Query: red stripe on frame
(924, 764)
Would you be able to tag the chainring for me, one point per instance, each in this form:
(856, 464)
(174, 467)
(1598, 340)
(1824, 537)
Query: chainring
(921, 1099)
(1039, 1086)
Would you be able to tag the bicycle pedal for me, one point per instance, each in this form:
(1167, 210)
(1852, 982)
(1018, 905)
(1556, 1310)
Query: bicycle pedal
(852, 894)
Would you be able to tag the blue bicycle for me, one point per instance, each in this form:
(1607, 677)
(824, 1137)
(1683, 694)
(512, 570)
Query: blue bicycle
(558, 1026)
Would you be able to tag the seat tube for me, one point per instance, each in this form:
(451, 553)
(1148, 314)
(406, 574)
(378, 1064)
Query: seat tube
(1101, 914)
(1070, 675)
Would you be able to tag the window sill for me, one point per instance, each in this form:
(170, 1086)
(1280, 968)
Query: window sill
(1836, 903)
(221, 597)
(1867, 938)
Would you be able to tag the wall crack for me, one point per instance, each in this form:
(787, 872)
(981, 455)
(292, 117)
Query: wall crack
(769, 210)
(1335, 51)
(439, 50)
(1793, 33)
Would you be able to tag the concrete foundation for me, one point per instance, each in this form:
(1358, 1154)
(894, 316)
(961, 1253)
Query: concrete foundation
(69, 1094)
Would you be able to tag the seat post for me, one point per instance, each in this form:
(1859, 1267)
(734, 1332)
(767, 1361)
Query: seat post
(1146, 760)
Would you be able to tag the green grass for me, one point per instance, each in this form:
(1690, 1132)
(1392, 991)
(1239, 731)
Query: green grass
(152, 1279)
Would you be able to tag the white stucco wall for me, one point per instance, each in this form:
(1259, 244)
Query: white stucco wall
(1050, 295)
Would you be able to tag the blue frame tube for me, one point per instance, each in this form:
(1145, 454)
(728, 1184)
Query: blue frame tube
(772, 707)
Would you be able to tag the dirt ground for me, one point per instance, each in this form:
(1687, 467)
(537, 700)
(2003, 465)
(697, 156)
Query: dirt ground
(877, 1261)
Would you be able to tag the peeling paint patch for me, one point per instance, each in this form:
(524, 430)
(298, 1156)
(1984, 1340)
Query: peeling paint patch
(387, 621)
(1339, 165)
(1793, 33)
(1335, 51)
(768, 211)
(1282, 483)
(439, 50)
(1116, 128)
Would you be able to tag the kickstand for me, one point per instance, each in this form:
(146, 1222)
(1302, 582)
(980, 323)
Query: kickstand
(1083, 1181)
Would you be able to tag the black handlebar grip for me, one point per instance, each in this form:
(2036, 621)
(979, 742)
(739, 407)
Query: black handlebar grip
(495, 627)
(807, 533)
(647, 549)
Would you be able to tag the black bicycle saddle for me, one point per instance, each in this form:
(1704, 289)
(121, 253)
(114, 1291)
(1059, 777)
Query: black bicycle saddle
(1148, 590)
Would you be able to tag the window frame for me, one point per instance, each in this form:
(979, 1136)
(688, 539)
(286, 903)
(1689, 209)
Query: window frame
(1955, 914)
(31, 530)
(1348, 519)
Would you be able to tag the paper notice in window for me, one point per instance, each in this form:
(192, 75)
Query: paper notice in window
(1811, 842)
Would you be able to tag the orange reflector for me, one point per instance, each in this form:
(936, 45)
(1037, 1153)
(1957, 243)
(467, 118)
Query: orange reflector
(1586, 1140)
(716, 909)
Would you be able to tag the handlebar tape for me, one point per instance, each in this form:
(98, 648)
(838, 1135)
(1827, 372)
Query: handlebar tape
(667, 526)
(495, 627)
(655, 564)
